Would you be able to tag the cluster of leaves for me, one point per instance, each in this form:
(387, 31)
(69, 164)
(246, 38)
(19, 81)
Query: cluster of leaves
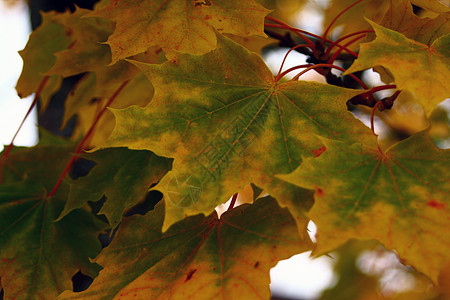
(175, 98)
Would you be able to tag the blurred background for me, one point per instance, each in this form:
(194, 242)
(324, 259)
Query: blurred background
(358, 270)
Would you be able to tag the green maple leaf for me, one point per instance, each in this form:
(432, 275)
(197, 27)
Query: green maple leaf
(38, 57)
(39, 256)
(401, 18)
(227, 123)
(400, 197)
(202, 257)
(122, 175)
(422, 69)
(186, 26)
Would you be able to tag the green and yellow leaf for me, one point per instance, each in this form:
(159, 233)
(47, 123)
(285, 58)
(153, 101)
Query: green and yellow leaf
(227, 123)
(39, 256)
(122, 175)
(199, 257)
(400, 197)
(422, 69)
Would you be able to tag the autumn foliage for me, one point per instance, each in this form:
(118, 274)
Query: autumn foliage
(175, 97)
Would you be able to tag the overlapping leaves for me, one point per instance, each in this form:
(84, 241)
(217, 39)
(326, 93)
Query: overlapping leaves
(122, 175)
(400, 197)
(200, 257)
(38, 257)
(227, 123)
(422, 69)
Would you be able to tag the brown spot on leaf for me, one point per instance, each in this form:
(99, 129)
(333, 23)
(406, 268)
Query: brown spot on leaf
(256, 265)
(190, 274)
(319, 192)
(318, 152)
(207, 17)
(436, 204)
(200, 3)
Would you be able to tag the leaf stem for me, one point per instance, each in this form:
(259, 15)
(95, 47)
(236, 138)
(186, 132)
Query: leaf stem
(233, 202)
(298, 32)
(86, 137)
(278, 77)
(379, 88)
(373, 115)
(344, 38)
(335, 55)
(33, 104)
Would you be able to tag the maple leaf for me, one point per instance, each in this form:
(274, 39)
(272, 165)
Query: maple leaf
(38, 57)
(419, 68)
(400, 197)
(227, 123)
(401, 18)
(45, 253)
(38, 257)
(141, 24)
(122, 175)
(202, 257)
(21, 163)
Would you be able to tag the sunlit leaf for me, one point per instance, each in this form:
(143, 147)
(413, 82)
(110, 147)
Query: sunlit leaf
(143, 23)
(227, 124)
(419, 68)
(400, 197)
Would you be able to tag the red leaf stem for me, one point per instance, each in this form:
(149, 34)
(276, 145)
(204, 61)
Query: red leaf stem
(233, 202)
(296, 31)
(373, 114)
(379, 88)
(335, 19)
(295, 68)
(10, 146)
(328, 51)
(86, 137)
(335, 55)
(330, 66)
(286, 26)
(278, 77)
